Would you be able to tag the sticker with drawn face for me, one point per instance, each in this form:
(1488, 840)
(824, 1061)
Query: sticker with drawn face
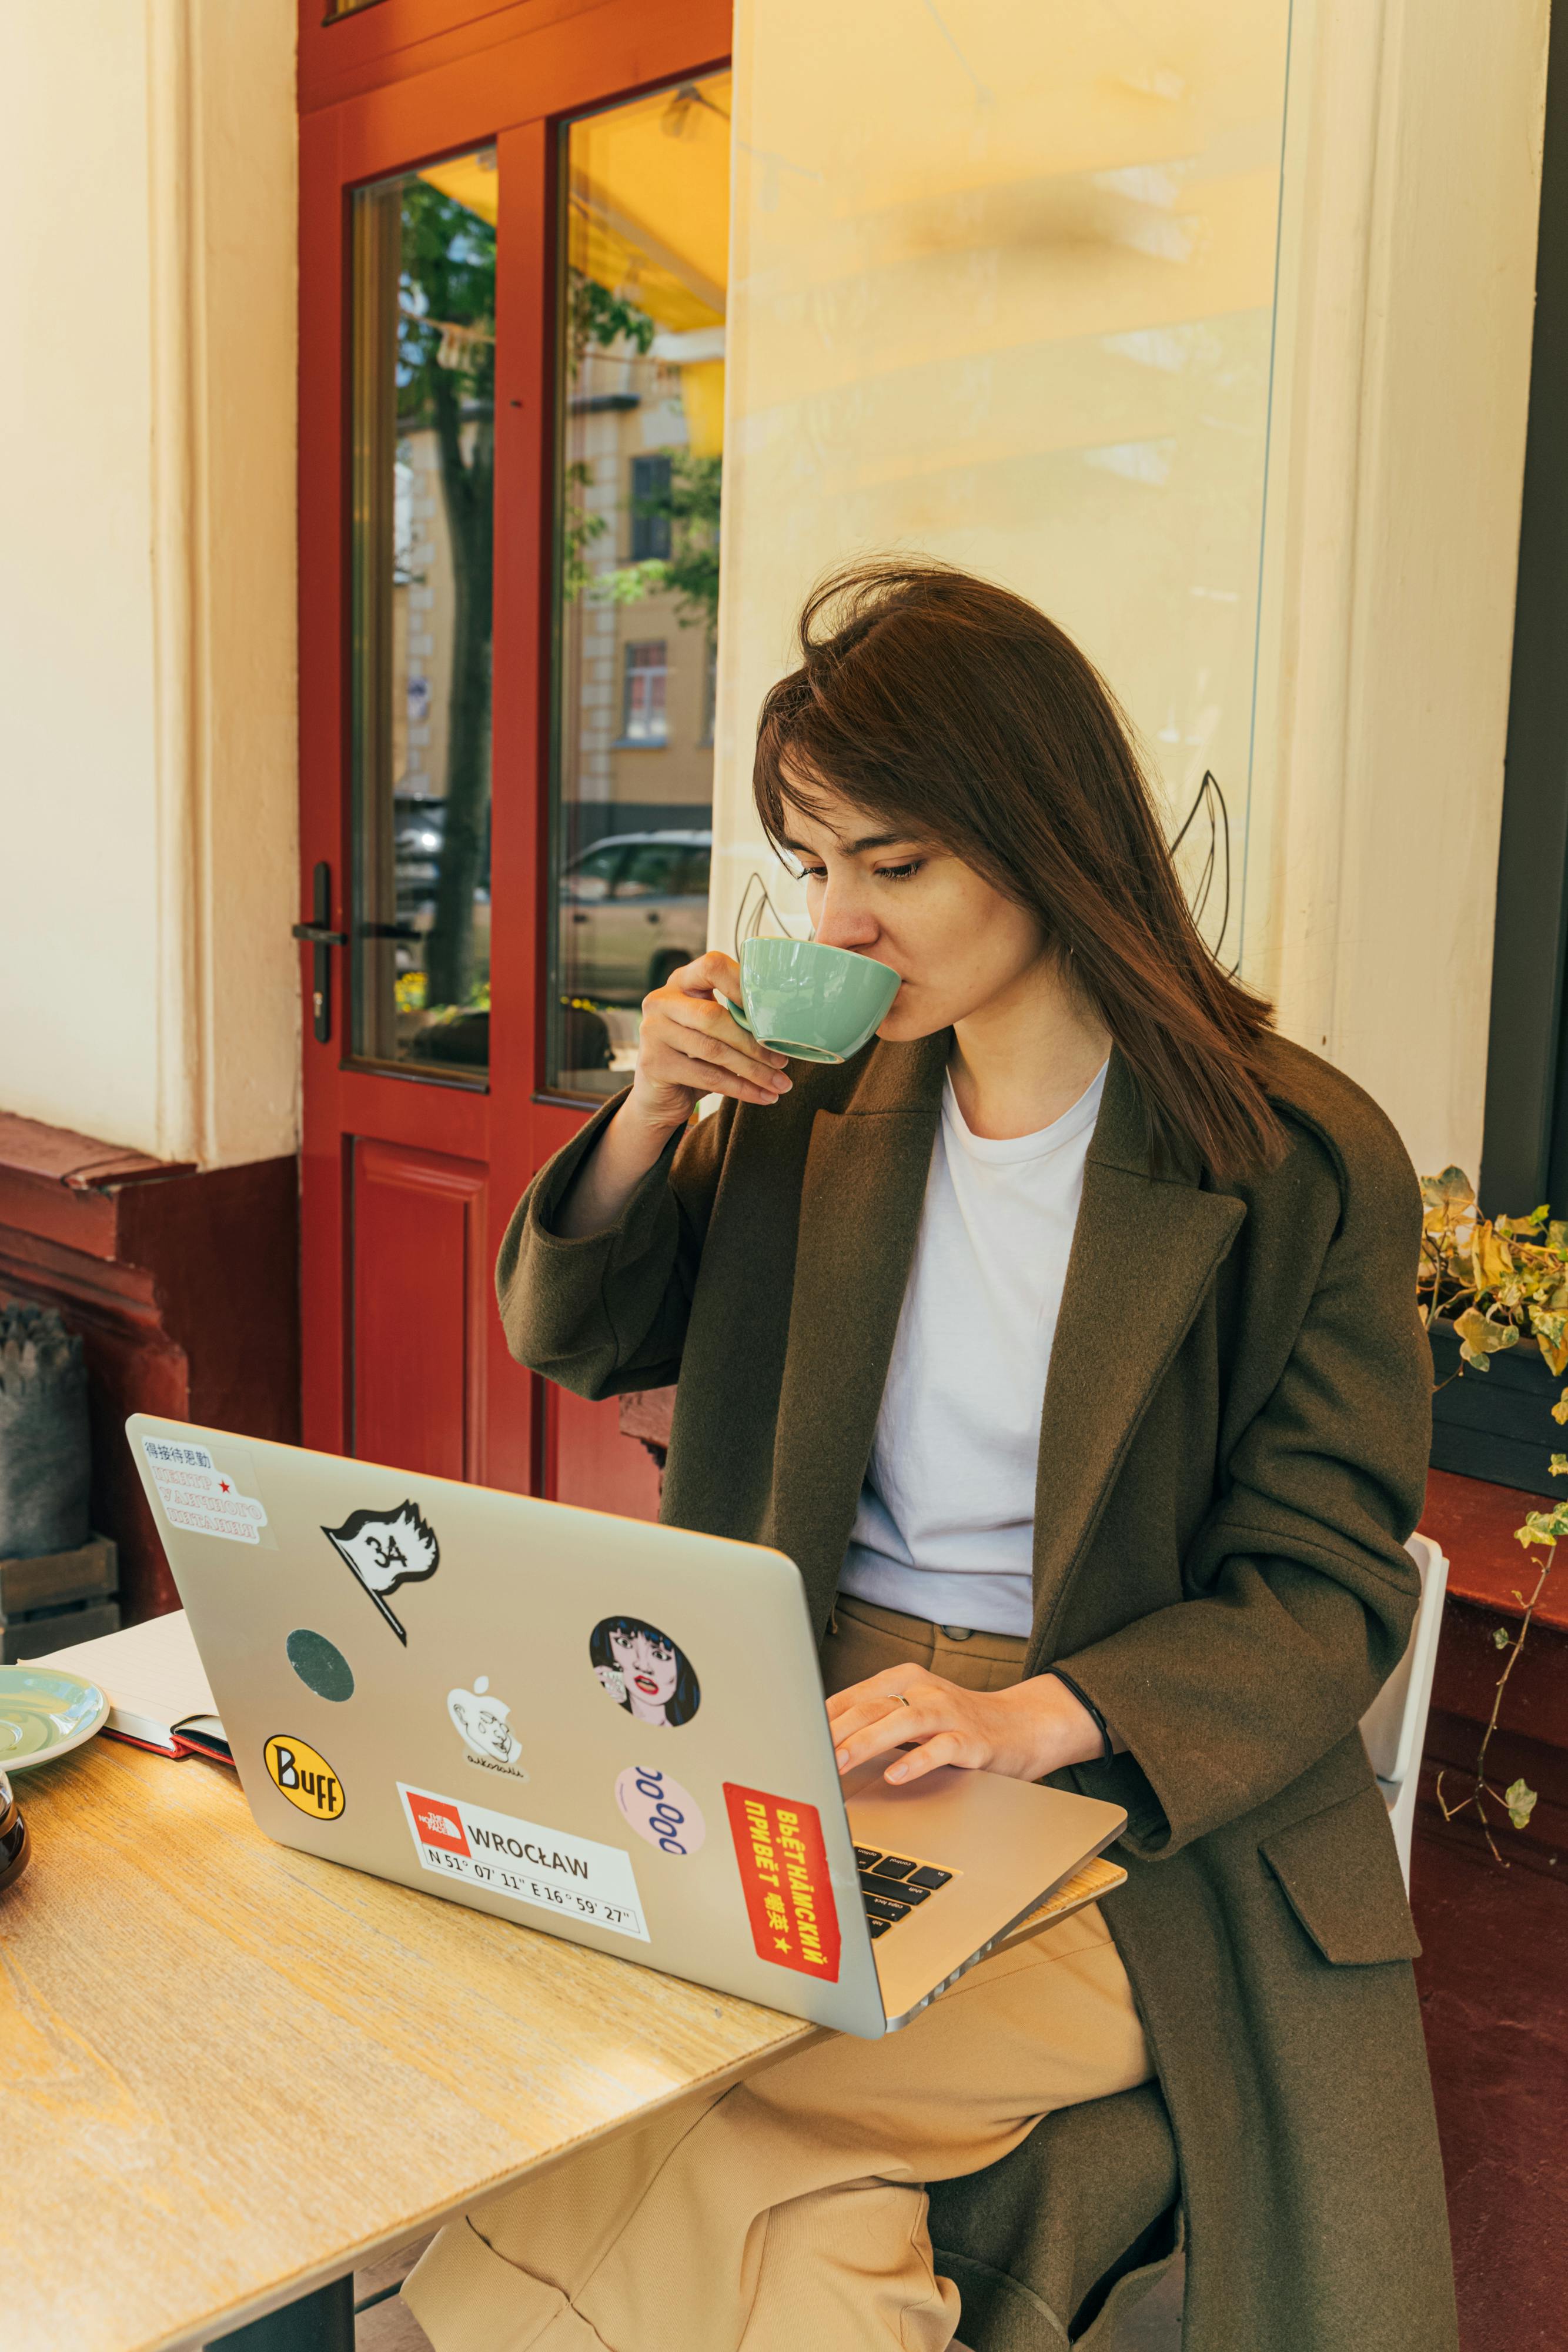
(386, 1548)
(306, 1778)
(481, 1722)
(319, 1664)
(660, 1809)
(643, 1670)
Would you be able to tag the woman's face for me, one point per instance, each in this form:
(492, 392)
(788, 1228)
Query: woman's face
(963, 948)
(649, 1666)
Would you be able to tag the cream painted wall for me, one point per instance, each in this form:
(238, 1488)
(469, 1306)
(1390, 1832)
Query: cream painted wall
(147, 611)
(1413, 180)
(1406, 210)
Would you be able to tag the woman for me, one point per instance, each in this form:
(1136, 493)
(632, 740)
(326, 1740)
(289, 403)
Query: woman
(1066, 1341)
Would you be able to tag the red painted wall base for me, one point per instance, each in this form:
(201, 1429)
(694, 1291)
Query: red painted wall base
(184, 1287)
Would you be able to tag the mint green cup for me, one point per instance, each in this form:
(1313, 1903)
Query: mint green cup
(813, 1003)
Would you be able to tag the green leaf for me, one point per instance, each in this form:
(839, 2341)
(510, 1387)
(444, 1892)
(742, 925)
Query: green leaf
(1501, 1636)
(1479, 1337)
(1521, 1803)
(1452, 1188)
(1558, 1466)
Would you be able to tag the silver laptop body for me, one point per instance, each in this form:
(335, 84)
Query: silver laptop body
(608, 1729)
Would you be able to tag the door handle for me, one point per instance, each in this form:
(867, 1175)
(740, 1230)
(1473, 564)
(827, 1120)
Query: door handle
(319, 935)
(580, 919)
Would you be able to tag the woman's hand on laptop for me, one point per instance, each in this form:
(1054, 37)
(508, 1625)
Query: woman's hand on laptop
(923, 1721)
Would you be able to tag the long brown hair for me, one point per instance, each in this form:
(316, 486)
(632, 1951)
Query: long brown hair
(954, 708)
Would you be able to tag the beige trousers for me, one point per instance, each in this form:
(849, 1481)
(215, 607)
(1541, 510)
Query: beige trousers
(788, 2213)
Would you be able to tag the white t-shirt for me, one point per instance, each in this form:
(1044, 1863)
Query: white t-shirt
(945, 1525)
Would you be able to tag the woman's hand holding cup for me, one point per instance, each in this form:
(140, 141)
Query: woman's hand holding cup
(690, 1047)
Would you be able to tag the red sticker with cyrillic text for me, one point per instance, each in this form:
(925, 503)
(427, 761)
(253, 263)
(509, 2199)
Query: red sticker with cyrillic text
(784, 1870)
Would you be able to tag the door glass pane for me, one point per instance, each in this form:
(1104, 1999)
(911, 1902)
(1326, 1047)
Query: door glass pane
(423, 465)
(646, 189)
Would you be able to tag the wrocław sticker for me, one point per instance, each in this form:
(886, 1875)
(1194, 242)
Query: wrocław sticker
(784, 1871)
(550, 1870)
(306, 1778)
(198, 1497)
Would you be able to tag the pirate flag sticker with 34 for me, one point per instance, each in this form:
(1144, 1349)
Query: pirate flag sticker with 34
(386, 1548)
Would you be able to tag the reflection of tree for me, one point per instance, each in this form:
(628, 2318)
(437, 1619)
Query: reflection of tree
(446, 383)
(690, 504)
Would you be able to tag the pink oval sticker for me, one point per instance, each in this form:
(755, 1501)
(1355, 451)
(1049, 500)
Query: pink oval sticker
(660, 1809)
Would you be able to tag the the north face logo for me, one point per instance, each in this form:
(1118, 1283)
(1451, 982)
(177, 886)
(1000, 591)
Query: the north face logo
(438, 1824)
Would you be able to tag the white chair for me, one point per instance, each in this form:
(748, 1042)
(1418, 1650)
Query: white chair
(1395, 1725)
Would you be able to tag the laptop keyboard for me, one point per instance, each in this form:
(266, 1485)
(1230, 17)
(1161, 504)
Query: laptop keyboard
(894, 1884)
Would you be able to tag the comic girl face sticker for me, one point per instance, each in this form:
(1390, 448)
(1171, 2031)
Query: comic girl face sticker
(481, 1722)
(643, 1670)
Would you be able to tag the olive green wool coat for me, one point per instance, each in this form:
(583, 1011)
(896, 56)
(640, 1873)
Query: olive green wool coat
(1232, 1451)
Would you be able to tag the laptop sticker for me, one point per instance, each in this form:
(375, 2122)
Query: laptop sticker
(386, 1548)
(480, 1720)
(643, 1670)
(548, 1870)
(660, 1809)
(319, 1664)
(199, 1496)
(306, 1778)
(784, 1873)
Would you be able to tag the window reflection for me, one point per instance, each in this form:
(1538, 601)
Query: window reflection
(423, 453)
(646, 189)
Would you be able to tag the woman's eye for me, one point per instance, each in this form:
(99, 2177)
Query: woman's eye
(899, 873)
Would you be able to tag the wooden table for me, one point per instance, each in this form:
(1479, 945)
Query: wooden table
(230, 2072)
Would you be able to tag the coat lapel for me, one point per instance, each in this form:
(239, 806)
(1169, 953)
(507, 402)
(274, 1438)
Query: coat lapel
(1144, 1254)
(864, 1189)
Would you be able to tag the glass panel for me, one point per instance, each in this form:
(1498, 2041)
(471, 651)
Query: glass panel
(646, 192)
(1007, 296)
(424, 468)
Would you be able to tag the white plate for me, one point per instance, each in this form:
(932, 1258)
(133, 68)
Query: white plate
(44, 1713)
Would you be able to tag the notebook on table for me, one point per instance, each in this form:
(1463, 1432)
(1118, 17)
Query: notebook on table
(157, 1687)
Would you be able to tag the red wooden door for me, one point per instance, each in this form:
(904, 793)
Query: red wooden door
(462, 277)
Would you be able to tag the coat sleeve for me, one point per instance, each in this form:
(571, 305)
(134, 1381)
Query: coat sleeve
(608, 1313)
(1300, 1593)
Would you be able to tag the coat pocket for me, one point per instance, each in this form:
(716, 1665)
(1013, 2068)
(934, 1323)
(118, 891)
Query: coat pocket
(1340, 1876)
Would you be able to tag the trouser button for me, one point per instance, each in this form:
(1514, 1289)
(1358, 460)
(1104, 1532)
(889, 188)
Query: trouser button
(955, 1632)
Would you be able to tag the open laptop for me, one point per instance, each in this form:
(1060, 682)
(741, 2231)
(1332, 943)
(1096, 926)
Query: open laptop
(611, 1730)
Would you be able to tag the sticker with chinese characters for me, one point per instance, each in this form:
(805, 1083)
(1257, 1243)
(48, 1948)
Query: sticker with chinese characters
(200, 1498)
(480, 1720)
(386, 1548)
(784, 1872)
(660, 1809)
(643, 1670)
(306, 1778)
(573, 1878)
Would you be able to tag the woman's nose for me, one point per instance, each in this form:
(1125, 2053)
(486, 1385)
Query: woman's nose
(841, 922)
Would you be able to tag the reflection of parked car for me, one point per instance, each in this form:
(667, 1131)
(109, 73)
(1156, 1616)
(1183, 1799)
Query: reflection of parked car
(631, 909)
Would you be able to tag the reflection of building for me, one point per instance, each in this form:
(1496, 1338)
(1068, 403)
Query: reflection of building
(641, 755)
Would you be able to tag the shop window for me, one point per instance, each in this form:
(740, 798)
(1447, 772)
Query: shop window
(424, 339)
(645, 191)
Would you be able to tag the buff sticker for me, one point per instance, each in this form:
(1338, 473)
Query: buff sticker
(549, 1869)
(306, 1778)
(784, 1871)
(660, 1809)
